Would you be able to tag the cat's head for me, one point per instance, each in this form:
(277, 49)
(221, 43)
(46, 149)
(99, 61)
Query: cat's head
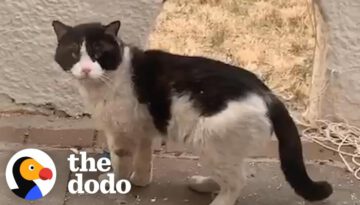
(88, 51)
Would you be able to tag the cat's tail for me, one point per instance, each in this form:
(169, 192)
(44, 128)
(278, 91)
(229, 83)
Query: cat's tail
(291, 157)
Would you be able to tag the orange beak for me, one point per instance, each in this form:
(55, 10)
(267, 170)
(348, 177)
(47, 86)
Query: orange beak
(45, 174)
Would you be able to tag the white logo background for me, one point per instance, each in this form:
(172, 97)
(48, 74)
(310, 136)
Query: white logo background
(41, 157)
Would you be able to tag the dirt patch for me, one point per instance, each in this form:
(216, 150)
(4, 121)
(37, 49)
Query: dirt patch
(273, 38)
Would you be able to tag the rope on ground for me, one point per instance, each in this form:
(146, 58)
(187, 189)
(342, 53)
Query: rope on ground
(338, 137)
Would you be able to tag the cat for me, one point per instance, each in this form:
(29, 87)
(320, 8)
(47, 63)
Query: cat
(220, 110)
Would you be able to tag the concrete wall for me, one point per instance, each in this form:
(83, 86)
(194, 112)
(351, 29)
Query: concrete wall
(29, 77)
(335, 92)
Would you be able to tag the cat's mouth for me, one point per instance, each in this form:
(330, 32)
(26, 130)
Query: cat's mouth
(88, 78)
(98, 80)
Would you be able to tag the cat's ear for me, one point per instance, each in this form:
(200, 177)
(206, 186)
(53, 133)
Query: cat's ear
(113, 28)
(60, 29)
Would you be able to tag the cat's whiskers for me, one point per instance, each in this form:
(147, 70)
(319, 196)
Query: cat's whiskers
(106, 81)
(106, 77)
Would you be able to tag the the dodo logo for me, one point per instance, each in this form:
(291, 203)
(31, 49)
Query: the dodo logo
(31, 174)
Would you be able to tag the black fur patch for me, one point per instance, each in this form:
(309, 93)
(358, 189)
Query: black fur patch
(291, 155)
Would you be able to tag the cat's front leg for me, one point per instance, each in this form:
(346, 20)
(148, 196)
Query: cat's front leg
(122, 149)
(142, 174)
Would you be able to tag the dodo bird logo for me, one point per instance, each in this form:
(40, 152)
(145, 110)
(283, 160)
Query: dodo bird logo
(31, 174)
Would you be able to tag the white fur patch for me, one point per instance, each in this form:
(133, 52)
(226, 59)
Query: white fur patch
(85, 62)
(187, 126)
(238, 112)
(184, 118)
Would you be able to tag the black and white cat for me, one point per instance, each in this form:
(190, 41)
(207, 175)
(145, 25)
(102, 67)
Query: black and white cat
(220, 110)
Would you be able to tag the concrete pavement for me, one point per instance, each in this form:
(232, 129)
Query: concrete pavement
(172, 165)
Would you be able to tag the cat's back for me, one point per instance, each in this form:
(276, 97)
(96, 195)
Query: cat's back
(197, 69)
(210, 83)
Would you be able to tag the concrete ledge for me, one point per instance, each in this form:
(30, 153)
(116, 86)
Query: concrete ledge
(13, 135)
(89, 138)
(66, 138)
(46, 122)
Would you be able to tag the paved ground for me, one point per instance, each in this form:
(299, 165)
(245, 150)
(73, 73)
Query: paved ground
(266, 184)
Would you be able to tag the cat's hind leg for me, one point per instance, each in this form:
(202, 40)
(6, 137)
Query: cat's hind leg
(224, 160)
(226, 146)
(231, 181)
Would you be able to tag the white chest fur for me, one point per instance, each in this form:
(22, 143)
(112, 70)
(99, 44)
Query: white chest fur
(113, 104)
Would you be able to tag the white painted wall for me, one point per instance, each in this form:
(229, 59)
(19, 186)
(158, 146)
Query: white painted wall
(29, 75)
(335, 92)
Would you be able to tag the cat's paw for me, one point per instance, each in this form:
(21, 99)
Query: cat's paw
(141, 179)
(203, 184)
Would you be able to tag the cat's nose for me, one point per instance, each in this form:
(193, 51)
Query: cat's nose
(86, 71)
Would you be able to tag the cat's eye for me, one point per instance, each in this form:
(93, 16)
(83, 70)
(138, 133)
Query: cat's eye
(74, 55)
(74, 48)
(97, 55)
(96, 47)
